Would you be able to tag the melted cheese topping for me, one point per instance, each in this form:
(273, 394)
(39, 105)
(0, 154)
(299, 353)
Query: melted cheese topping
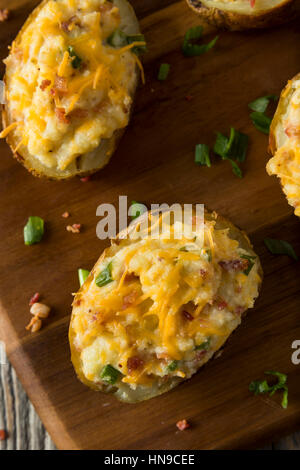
(247, 7)
(286, 161)
(168, 297)
(64, 111)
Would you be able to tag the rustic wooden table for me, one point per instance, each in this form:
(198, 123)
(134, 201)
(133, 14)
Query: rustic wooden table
(26, 432)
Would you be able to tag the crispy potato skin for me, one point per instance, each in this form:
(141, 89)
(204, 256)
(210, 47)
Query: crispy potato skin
(113, 141)
(222, 223)
(288, 11)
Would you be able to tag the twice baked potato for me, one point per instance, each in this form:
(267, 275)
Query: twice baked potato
(285, 143)
(154, 310)
(245, 14)
(70, 80)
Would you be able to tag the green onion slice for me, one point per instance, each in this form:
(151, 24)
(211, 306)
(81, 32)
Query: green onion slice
(163, 72)
(190, 48)
(236, 169)
(221, 145)
(82, 276)
(260, 104)
(76, 61)
(109, 374)
(262, 386)
(120, 39)
(172, 366)
(280, 247)
(237, 145)
(105, 276)
(261, 122)
(202, 155)
(33, 230)
(250, 263)
(203, 346)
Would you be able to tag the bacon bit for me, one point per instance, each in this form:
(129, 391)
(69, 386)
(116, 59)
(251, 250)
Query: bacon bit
(182, 425)
(78, 113)
(35, 298)
(106, 7)
(187, 315)
(189, 98)
(61, 115)
(134, 363)
(53, 92)
(200, 354)
(78, 302)
(85, 179)
(221, 304)
(239, 310)
(129, 299)
(4, 14)
(203, 273)
(234, 265)
(292, 131)
(164, 356)
(45, 84)
(65, 215)
(100, 106)
(252, 3)
(67, 26)
(61, 85)
(3, 435)
(75, 228)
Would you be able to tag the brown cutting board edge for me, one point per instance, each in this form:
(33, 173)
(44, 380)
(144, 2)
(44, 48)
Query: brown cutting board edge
(154, 163)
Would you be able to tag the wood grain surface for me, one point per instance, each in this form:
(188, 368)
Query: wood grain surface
(155, 163)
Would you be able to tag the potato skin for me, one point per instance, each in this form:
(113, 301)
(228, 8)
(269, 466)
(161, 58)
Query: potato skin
(150, 392)
(288, 11)
(56, 175)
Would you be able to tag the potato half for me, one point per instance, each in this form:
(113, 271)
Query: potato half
(245, 14)
(70, 81)
(154, 310)
(285, 143)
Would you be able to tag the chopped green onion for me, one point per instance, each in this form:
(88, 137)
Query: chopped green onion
(163, 72)
(105, 276)
(189, 48)
(172, 366)
(109, 374)
(82, 276)
(136, 209)
(203, 346)
(261, 122)
(236, 169)
(76, 61)
(202, 155)
(221, 145)
(260, 104)
(208, 255)
(120, 39)
(33, 230)
(280, 247)
(250, 263)
(262, 386)
(237, 145)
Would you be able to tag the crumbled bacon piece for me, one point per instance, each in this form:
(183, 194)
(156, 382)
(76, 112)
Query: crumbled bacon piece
(182, 425)
(239, 310)
(35, 298)
(65, 215)
(292, 131)
(45, 84)
(134, 363)
(252, 3)
(61, 85)
(221, 304)
(75, 228)
(234, 264)
(61, 115)
(129, 299)
(4, 14)
(203, 273)
(79, 113)
(187, 315)
(3, 435)
(199, 354)
(67, 26)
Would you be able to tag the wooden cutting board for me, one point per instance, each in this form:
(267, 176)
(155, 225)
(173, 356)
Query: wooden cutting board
(155, 163)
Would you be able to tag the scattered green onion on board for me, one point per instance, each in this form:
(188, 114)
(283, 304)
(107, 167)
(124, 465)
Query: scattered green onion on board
(261, 386)
(190, 48)
(260, 104)
(233, 148)
(33, 230)
(202, 155)
(280, 247)
(82, 276)
(105, 276)
(261, 122)
(109, 374)
(163, 72)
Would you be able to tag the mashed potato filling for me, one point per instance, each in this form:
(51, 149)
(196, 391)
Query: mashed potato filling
(67, 87)
(286, 162)
(159, 308)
